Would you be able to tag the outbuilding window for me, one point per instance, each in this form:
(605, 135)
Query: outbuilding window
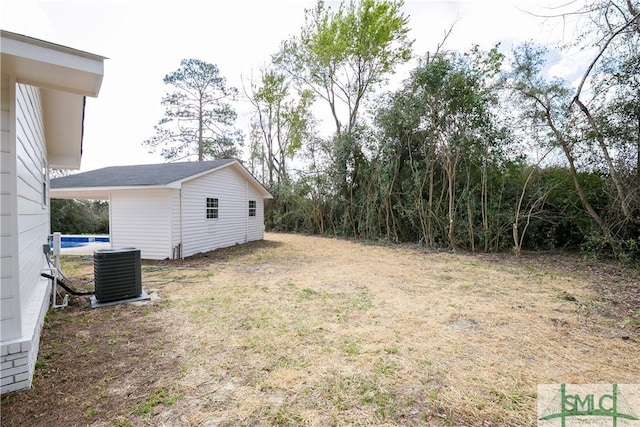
(252, 208)
(212, 208)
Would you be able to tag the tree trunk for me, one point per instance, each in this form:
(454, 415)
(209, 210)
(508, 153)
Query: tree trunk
(451, 193)
(430, 201)
(388, 202)
(604, 228)
(516, 237)
(603, 147)
(470, 213)
(483, 207)
(638, 153)
(574, 176)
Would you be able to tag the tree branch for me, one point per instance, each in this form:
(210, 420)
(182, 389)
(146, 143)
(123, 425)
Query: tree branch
(600, 53)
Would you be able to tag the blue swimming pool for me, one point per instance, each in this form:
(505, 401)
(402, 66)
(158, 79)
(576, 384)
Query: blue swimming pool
(77, 241)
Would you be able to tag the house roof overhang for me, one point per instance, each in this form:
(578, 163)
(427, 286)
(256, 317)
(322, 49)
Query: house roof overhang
(99, 193)
(66, 76)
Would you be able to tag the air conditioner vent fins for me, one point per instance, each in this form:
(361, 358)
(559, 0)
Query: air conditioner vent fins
(117, 274)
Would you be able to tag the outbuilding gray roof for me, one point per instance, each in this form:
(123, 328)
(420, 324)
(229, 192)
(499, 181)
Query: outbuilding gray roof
(137, 175)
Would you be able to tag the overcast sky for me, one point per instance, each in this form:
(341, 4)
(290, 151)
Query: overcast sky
(145, 40)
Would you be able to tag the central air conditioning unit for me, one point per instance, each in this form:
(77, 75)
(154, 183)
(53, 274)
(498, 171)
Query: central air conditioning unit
(117, 274)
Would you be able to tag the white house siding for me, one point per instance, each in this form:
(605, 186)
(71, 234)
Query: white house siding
(33, 214)
(10, 326)
(255, 224)
(233, 224)
(176, 235)
(32, 207)
(142, 219)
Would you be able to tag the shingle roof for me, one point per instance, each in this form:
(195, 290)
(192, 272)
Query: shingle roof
(137, 175)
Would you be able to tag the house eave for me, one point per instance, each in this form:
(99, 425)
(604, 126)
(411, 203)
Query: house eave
(98, 193)
(48, 65)
(65, 76)
(64, 127)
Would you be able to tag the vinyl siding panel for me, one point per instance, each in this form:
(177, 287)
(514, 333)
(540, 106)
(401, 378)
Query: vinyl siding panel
(10, 319)
(142, 219)
(33, 214)
(232, 225)
(175, 217)
(255, 224)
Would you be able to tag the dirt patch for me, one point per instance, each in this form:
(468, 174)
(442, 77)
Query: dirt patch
(301, 330)
(93, 365)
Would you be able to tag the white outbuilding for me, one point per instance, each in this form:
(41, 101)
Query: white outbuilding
(174, 210)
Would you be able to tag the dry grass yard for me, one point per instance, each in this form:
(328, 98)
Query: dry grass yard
(313, 331)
